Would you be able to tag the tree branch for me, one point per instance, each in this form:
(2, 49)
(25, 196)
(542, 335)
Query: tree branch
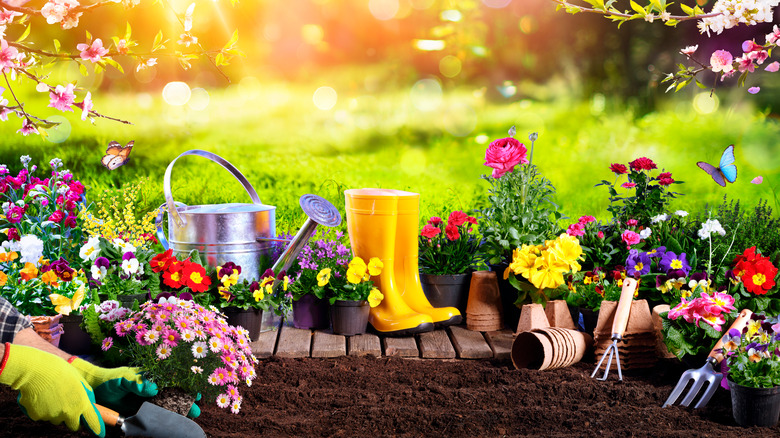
(609, 14)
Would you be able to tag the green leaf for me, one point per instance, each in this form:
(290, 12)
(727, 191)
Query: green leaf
(232, 41)
(687, 9)
(83, 69)
(635, 6)
(25, 34)
(89, 35)
(56, 46)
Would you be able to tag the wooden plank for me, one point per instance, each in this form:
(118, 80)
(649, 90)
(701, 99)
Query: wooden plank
(501, 343)
(364, 345)
(469, 344)
(293, 342)
(263, 347)
(436, 345)
(401, 347)
(328, 345)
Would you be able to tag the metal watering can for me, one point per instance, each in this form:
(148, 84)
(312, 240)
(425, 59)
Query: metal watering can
(240, 233)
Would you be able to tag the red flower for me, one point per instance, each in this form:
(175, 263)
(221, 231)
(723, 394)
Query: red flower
(618, 169)
(162, 261)
(457, 218)
(57, 216)
(471, 220)
(430, 231)
(665, 179)
(642, 163)
(760, 280)
(15, 214)
(194, 277)
(13, 234)
(628, 185)
(70, 221)
(452, 232)
(173, 278)
(435, 220)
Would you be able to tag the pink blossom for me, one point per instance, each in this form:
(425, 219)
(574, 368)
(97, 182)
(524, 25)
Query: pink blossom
(8, 55)
(4, 110)
(85, 105)
(62, 97)
(628, 185)
(121, 46)
(758, 56)
(745, 63)
(683, 309)
(630, 237)
(754, 90)
(28, 127)
(61, 11)
(587, 219)
(721, 61)
(7, 16)
(146, 64)
(94, 52)
(600, 234)
(186, 39)
(576, 229)
(773, 67)
(504, 154)
(632, 222)
(750, 45)
(772, 38)
(689, 50)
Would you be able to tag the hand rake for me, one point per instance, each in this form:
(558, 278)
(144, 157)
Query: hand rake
(618, 327)
(707, 373)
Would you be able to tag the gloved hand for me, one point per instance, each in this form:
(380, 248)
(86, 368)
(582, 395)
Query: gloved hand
(194, 409)
(50, 389)
(120, 389)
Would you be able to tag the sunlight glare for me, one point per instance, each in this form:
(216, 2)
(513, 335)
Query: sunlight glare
(482, 139)
(426, 94)
(497, 4)
(528, 24)
(453, 15)
(312, 34)
(58, 133)
(144, 100)
(703, 103)
(429, 45)
(199, 100)
(413, 162)
(422, 4)
(325, 98)
(450, 66)
(460, 119)
(383, 9)
(176, 93)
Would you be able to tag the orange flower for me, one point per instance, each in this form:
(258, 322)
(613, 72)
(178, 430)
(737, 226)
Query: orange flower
(50, 278)
(3, 278)
(29, 271)
(8, 256)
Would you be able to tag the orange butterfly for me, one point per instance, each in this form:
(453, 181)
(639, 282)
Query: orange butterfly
(116, 155)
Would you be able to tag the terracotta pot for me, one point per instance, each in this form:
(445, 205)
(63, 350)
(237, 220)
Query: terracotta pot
(349, 317)
(250, 319)
(447, 290)
(508, 297)
(74, 339)
(48, 328)
(310, 312)
(755, 406)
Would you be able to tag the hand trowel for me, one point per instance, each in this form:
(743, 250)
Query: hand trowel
(153, 421)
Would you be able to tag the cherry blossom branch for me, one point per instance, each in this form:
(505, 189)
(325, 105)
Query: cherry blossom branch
(616, 14)
(107, 55)
(33, 11)
(16, 99)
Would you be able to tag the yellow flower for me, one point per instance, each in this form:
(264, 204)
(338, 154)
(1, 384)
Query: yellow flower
(375, 297)
(267, 281)
(568, 249)
(525, 262)
(29, 271)
(285, 283)
(3, 278)
(753, 327)
(50, 278)
(323, 277)
(550, 272)
(354, 276)
(357, 271)
(258, 294)
(375, 266)
(223, 292)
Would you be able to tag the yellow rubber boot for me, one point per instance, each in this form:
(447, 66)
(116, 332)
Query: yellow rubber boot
(371, 222)
(407, 270)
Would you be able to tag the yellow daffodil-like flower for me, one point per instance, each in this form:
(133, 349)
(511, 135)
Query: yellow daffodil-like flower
(525, 261)
(323, 277)
(550, 272)
(375, 297)
(568, 249)
(354, 276)
(753, 327)
(357, 271)
(375, 266)
(258, 294)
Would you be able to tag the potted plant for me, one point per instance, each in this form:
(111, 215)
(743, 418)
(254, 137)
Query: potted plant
(184, 347)
(351, 294)
(98, 324)
(520, 211)
(587, 290)
(753, 373)
(448, 254)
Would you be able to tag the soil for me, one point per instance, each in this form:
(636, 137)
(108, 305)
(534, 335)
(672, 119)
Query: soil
(412, 397)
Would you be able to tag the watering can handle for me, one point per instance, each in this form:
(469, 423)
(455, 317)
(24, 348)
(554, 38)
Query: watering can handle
(159, 223)
(178, 220)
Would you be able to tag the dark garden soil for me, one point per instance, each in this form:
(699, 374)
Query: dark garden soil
(403, 397)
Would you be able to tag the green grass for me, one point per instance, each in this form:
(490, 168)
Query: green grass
(286, 147)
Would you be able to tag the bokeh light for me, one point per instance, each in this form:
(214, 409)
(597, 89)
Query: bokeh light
(383, 9)
(459, 119)
(528, 25)
(59, 133)
(176, 93)
(200, 99)
(429, 45)
(450, 66)
(422, 4)
(426, 94)
(453, 15)
(325, 98)
(703, 103)
(312, 33)
(497, 4)
(413, 161)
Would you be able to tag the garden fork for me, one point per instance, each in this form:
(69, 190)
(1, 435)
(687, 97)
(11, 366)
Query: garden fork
(707, 373)
(618, 327)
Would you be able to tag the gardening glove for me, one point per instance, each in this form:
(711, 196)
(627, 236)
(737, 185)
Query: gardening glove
(50, 389)
(194, 410)
(121, 389)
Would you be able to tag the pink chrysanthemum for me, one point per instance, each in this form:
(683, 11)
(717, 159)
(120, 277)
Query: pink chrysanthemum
(223, 400)
(199, 350)
(235, 407)
(107, 343)
(170, 337)
(163, 352)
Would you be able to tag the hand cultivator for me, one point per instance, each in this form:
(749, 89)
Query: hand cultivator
(706, 373)
(618, 327)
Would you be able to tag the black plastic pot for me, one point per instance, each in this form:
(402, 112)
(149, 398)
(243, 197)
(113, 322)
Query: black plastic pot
(74, 339)
(589, 320)
(250, 319)
(755, 406)
(508, 297)
(310, 312)
(447, 290)
(349, 317)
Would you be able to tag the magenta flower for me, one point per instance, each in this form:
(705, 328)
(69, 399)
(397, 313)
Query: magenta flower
(618, 169)
(773, 67)
(682, 310)
(632, 222)
(587, 219)
(628, 185)
(600, 234)
(772, 38)
(94, 52)
(630, 237)
(107, 343)
(745, 63)
(62, 97)
(754, 90)
(15, 214)
(504, 154)
(576, 229)
(86, 106)
(750, 45)
(721, 60)
(28, 127)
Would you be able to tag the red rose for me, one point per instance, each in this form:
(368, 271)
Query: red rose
(452, 232)
(618, 168)
(642, 163)
(430, 231)
(503, 155)
(665, 179)
(435, 220)
(457, 218)
(162, 261)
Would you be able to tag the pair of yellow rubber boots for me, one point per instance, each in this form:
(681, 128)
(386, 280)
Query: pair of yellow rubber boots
(383, 223)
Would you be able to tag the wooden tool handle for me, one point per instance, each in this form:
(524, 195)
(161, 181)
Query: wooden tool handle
(739, 324)
(111, 418)
(624, 307)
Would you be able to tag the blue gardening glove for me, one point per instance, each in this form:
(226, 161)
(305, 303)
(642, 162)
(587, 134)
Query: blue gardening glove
(50, 389)
(121, 389)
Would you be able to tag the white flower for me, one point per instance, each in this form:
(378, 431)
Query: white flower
(55, 163)
(199, 350)
(659, 218)
(196, 369)
(123, 246)
(98, 272)
(645, 233)
(681, 213)
(709, 227)
(169, 300)
(30, 248)
(91, 249)
(130, 266)
(734, 12)
(25, 159)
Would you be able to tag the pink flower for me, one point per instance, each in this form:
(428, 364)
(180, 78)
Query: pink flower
(435, 220)
(759, 57)
(630, 237)
(28, 127)
(600, 234)
(642, 163)
(721, 61)
(618, 169)
(15, 214)
(632, 222)
(146, 64)
(452, 232)
(504, 154)
(107, 343)
(689, 50)
(750, 45)
(576, 229)
(57, 216)
(772, 38)
(683, 309)
(8, 55)
(773, 67)
(587, 219)
(60, 11)
(4, 110)
(665, 179)
(94, 52)
(754, 90)
(85, 105)
(429, 231)
(62, 97)
(457, 218)
(628, 185)
(7, 16)
(745, 63)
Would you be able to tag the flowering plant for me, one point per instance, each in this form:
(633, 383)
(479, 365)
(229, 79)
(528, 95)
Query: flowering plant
(320, 259)
(358, 285)
(118, 267)
(693, 327)
(181, 276)
(36, 286)
(589, 289)
(98, 321)
(179, 343)
(752, 355)
(520, 207)
(243, 294)
(601, 245)
(46, 208)
(650, 193)
(448, 248)
(756, 280)
(544, 266)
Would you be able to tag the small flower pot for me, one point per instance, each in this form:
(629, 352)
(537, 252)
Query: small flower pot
(250, 319)
(310, 312)
(48, 328)
(74, 339)
(447, 290)
(349, 317)
(508, 297)
(755, 406)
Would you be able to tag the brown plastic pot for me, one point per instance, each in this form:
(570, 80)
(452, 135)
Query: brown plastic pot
(349, 317)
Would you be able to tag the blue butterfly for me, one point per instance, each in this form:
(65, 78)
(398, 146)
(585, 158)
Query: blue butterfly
(726, 170)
